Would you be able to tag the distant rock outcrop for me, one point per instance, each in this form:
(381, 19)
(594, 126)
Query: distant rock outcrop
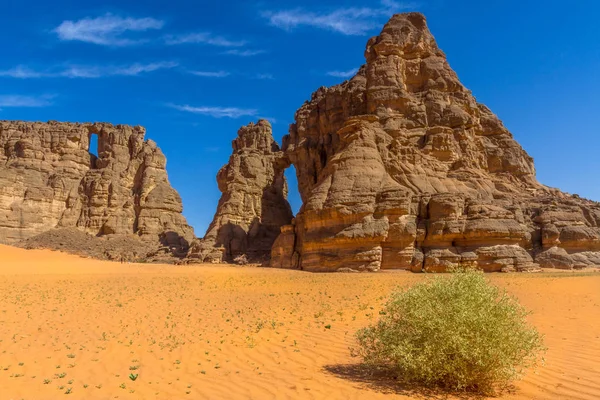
(49, 179)
(400, 167)
(253, 206)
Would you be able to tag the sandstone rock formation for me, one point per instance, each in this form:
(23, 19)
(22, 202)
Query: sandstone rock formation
(400, 167)
(253, 206)
(49, 179)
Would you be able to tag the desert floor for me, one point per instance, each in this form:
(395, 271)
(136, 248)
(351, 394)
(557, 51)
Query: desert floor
(79, 327)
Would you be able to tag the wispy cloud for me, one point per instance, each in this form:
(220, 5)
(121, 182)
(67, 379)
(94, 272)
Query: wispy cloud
(87, 71)
(264, 76)
(348, 21)
(22, 72)
(216, 112)
(270, 119)
(25, 101)
(203, 38)
(107, 30)
(103, 71)
(224, 74)
(210, 74)
(244, 53)
(343, 74)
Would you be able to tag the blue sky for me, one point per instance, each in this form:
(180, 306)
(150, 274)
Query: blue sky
(193, 72)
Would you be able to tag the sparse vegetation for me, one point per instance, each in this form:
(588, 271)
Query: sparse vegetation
(458, 332)
(207, 335)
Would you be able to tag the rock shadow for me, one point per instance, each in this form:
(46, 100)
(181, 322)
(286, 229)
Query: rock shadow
(175, 242)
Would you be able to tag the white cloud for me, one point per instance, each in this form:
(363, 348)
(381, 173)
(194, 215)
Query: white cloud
(106, 30)
(25, 101)
(203, 38)
(216, 112)
(87, 71)
(244, 53)
(348, 21)
(343, 74)
(223, 74)
(210, 74)
(22, 72)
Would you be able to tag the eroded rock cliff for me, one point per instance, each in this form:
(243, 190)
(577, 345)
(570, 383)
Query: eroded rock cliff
(400, 167)
(49, 179)
(253, 206)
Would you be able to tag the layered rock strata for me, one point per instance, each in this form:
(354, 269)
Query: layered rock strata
(50, 179)
(400, 167)
(253, 206)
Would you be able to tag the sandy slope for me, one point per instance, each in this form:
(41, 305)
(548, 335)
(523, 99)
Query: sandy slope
(241, 333)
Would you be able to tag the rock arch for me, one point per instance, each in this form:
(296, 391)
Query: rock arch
(400, 167)
(53, 181)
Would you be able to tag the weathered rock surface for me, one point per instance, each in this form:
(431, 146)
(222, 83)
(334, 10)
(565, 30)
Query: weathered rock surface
(49, 179)
(400, 167)
(253, 206)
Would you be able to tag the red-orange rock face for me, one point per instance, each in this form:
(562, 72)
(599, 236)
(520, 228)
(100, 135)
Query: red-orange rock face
(400, 167)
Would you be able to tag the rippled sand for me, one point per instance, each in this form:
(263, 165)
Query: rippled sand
(81, 326)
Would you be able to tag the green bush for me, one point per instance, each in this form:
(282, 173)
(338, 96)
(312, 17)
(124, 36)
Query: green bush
(455, 331)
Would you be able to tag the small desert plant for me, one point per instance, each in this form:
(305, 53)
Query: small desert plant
(133, 377)
(457, 332)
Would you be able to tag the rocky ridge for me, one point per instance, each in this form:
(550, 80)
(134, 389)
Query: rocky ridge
(49, 179)
(400, 167)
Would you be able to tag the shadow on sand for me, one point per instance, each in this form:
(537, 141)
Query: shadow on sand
(386, 382)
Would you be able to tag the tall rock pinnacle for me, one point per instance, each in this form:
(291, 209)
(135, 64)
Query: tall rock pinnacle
(253, 206)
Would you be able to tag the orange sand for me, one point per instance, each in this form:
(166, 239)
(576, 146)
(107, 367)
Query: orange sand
(216, 332)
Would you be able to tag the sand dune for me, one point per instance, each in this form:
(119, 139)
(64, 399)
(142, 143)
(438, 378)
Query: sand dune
(80, 326)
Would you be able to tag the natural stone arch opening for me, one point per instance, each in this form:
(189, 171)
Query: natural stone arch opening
(293, 192)
(93, 148)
